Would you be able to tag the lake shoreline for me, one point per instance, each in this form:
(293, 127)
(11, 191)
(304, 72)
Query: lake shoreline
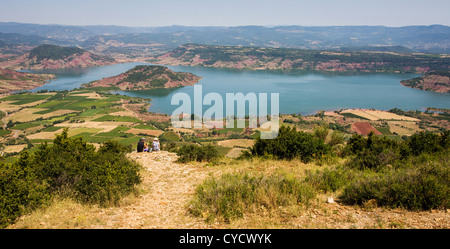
(300, 89)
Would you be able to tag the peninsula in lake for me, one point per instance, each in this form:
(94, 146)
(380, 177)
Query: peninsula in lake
(434, 81)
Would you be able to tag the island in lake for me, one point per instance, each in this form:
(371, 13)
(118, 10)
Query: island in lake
(145, 77)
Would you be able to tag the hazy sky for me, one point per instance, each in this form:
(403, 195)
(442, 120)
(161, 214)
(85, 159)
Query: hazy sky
(227, 13)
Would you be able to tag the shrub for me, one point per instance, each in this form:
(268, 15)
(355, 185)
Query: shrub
(427, 142)
(290, 144)
(336, 138)
(69, 167)
(329, 180)
(73, 167)
(233, 194)
(373, 152)
(321, 132)
(20, 190)
(415, 188)
(190, 152)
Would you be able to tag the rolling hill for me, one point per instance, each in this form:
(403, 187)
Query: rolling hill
(56, 57)
(17, 81)
(317, 60)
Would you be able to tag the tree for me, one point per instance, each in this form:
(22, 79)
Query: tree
(321, 132)
(290, 144)
(336, 138)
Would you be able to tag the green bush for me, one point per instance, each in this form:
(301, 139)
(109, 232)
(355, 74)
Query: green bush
(69, 167)
(290, 144)
(232, 195)
(427, 142)
(20, 190)
(72, 166)
(375, 152)
(190, 152)
(416, 188)
(329, 180)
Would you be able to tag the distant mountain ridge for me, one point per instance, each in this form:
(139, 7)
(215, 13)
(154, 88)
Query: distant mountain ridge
(56, 57)
(427, 39)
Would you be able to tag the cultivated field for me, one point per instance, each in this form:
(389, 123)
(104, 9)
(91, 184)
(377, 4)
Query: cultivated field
(378, 115)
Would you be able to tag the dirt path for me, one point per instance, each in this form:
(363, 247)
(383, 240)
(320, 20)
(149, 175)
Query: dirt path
(167, 187)
(4, 120)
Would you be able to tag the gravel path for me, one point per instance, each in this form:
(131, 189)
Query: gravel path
(167, 187)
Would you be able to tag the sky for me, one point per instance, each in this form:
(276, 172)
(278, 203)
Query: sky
(151, 13)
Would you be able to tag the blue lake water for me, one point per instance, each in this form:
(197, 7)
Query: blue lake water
(299, 92)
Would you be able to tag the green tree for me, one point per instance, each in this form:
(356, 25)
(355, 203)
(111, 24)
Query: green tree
(290, 144)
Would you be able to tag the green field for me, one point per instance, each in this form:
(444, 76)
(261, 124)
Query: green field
(145, 127)
(384, 130)
(25, 98)
(169, 136)
(24, 126)
(351, 115)
(118, 119)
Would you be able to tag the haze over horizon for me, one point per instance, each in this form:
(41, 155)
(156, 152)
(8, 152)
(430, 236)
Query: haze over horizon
(141, 13)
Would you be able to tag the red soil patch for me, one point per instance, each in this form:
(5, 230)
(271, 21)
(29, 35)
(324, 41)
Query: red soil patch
(364, 128)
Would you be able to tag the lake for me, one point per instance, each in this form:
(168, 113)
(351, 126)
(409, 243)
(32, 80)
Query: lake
(299, 91)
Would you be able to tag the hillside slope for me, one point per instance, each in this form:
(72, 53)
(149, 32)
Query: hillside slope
(317, 60)
(17, 81)
(55, 57)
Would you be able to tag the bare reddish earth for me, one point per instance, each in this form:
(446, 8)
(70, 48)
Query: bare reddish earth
(364, 128)
(430, 82)
(75, 61)
(16, 81)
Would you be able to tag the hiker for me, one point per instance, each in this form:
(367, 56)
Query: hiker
(141, 146)
(155, 145)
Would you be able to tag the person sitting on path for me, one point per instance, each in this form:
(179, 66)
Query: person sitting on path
(155, 145)
(141, 146)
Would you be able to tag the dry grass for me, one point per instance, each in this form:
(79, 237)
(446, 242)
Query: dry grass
(45, 135)
(374, 115)
(403, 127)
(62, 214)
(104, 126)
(90, 95)
(7, 106)
(235, 152)
(14, 148)
(237, 143)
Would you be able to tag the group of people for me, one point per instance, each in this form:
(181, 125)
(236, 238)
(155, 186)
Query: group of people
(142, 147)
